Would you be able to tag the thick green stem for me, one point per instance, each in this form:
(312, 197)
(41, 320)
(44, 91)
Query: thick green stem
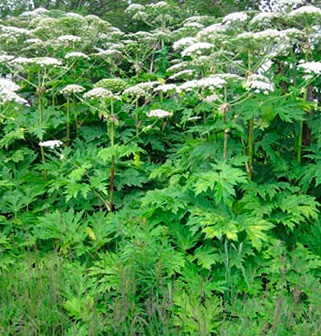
(112, 165)
(225, 135)
(300, 138)
(68, 119)
(299, 149)
(250, 148)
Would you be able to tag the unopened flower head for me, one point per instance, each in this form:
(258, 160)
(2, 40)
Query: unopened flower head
(158, 113)
(72, 88)
(112, 84)
(50, 143)
(76, 54)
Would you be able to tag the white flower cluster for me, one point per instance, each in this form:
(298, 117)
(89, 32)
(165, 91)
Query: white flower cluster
(68, 38)
(134, 8)
(21, 61)
(6, 58)
(135, 92)
(8, 94)
(209, 82)
(72, 88)
(234, 18)
(258, 83)
(166, 87)
(47, 61)
(35, 13)
(159, 5)
(306, 12)
(211, 32)
(311, 67)
(264, 19)
(15, 31)
(50, 143)
(158, 113)
(183, 42)
(76, 54)
(6, 84)
(100, 93)
(196, 48)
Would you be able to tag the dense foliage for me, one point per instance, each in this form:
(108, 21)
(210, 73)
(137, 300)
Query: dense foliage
(163, 182)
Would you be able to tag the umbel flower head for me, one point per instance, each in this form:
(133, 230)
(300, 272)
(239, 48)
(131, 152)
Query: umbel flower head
(72, 88)
(8, 94)
(158, 113)
(100, 93)
(112, 84)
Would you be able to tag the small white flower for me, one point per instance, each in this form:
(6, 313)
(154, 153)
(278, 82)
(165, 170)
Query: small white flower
(68, 38)
(212, 98)
(33, 41)
(72, 88)
(158, 113)
(76, 54)
(50, 143)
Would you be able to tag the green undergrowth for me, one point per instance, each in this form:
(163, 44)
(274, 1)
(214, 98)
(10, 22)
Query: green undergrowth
(163, 182)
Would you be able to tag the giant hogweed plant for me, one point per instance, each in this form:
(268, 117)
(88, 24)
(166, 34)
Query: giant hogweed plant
(172, 186)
